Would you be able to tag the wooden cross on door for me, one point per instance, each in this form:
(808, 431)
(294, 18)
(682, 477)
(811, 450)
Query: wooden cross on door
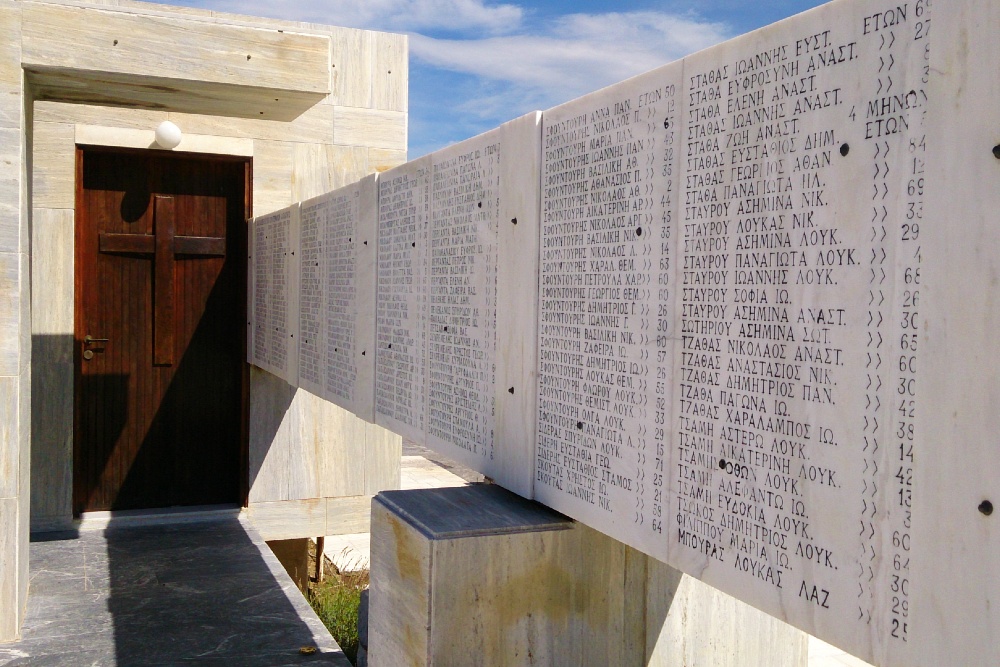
(163, 245)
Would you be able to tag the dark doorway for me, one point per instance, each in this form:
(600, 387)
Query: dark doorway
(160, 394)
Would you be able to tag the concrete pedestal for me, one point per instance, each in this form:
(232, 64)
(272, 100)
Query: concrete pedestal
(479, 576)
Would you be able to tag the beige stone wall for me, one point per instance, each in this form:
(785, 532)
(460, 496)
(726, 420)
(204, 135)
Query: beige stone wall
(316, 107)
(563, 596)
(690, 623)
(15, 348)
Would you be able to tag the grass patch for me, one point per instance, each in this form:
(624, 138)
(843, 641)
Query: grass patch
(336, 600)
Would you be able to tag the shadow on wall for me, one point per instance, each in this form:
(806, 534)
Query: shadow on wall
(270, 399)
(51, 431)
(52, 428)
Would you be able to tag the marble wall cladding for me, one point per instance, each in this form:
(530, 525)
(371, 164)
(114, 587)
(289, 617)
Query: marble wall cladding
(401, 569)
(576, 576)
(24, 488)
(384, 159)
(270, 430)
(368, 127)
(303, 447)
(348, 515)
(90, 114)
(27, 159)
(290, 519)
(691, 623)
(390, 72)
(10, 604)
(542, 586)
(9, 436)
(11, 309)
(272, 175)
(52, 365)
(10, 190)
(53, 165)
(51, 419)
(10, 104)
(15, 342)
(313, 126)
(329, 357)
(10, 42)
(350, 68)
(322, 168)
(24, 323)
(52, 240)
(198, 51)
(383, 450)
(311, 517)
(10, 64)
(329, 452)
(316, 448)
(341, 466)
(118, 137)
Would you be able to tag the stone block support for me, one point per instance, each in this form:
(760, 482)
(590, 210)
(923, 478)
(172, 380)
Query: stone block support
(477, 575)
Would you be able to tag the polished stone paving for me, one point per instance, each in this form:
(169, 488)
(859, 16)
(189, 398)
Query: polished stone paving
(195, 593)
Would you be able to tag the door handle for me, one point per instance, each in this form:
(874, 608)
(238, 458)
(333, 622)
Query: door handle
(89, 340)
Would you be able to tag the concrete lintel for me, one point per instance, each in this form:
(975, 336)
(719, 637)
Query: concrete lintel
(90, 39)
(165, 93)
(96, 135)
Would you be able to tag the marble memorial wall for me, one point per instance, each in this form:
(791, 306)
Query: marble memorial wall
(606, 289)
(274, 301)
(729, 330)
(688, 310)
(437, 315)
(461, 327)
(337, 246)
(402, 299)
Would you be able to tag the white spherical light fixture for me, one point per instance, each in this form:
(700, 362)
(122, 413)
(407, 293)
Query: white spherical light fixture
(168, 135)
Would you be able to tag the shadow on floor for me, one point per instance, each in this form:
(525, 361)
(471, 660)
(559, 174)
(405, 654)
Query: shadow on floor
(207, 593)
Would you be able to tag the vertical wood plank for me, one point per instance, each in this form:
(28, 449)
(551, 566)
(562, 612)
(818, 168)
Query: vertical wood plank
(159, 435)
(164, 323)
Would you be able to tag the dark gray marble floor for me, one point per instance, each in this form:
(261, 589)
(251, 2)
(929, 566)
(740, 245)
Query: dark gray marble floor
(208, 593)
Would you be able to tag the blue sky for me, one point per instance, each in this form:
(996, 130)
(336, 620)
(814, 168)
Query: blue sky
(475, 64)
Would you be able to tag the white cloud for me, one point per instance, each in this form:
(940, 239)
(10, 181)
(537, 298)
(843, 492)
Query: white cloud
(391, 15)
(576, 54)
(478, 63)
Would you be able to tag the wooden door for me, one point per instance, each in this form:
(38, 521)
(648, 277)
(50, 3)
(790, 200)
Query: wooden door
(160, 329)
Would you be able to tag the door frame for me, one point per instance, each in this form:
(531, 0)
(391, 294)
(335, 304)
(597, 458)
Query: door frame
(242, 268)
